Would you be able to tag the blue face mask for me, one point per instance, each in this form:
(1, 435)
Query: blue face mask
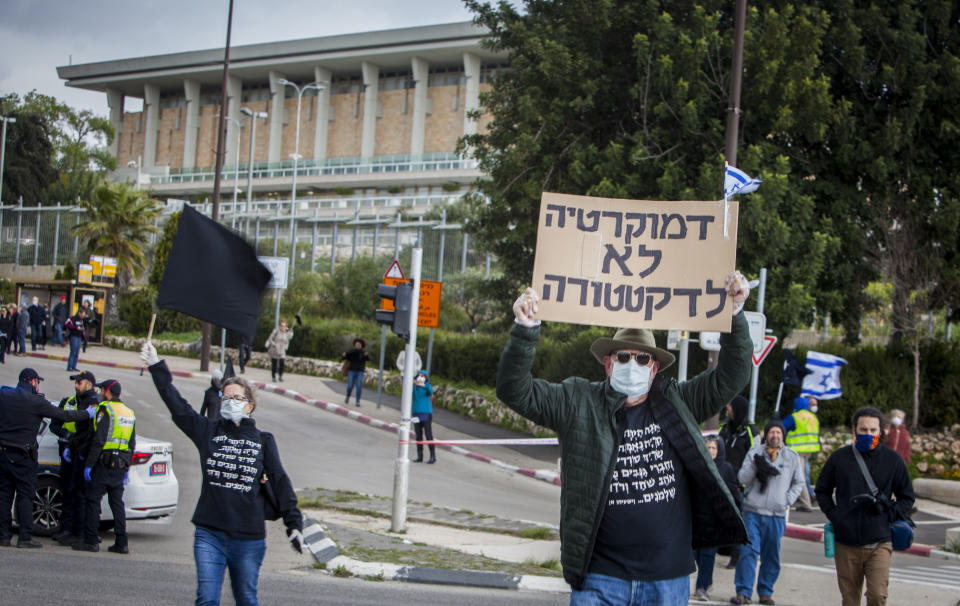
(865, 442)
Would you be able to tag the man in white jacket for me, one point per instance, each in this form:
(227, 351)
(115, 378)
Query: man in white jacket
(773, 478)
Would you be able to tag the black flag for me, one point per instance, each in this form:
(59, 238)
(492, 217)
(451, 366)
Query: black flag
(213, 275)
(793, 370)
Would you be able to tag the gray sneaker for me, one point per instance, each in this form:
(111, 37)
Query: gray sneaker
(701, 596)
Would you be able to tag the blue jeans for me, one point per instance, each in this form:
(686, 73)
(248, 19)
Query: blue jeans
(57, 333)
(601, 590)
(764, 533)
(75, 343)
(213, 551)
(705, 561)
(354, 377)
(806, 472)
(22, 341)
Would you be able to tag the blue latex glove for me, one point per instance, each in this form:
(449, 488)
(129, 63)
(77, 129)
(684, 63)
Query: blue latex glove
(66, 455)
(126, 478)
(86, 474)
(92, 411)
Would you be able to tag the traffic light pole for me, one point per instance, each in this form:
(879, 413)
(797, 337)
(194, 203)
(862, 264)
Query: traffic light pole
(401, 468)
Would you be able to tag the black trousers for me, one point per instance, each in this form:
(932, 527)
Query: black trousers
(72, 487)
(276, 367)
(425, 428)
(104, 482)
(18, 473)
(243, 355)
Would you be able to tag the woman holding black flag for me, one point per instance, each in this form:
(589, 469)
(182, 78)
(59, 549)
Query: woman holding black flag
(239, 463)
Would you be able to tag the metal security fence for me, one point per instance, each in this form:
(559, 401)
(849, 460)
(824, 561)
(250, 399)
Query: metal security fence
(326, 231)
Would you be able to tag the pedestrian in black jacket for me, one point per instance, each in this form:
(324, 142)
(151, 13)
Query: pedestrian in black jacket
(239, 464)
(211, 397)
(738, 434)
(861, 523)
(707, 557)
(75, 441)
(22, 410)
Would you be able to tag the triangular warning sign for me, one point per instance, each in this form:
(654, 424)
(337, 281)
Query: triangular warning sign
(768, 342)
(394, 271)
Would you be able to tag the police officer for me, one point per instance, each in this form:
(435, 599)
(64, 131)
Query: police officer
(22, 409)
(105, 469)
(803, 437)
(74, 443)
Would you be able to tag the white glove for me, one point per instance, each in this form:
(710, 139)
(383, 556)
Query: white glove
(148, 353)
(525, 308)
(738, 288)
(296, 540)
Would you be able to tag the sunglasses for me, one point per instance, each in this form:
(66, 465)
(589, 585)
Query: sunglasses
(642, 358)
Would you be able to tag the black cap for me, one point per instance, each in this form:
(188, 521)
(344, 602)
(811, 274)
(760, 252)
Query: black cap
(84, 375)
(110, 385)
(29, 374)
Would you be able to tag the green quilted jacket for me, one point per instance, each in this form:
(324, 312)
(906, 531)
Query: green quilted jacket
(585, 415)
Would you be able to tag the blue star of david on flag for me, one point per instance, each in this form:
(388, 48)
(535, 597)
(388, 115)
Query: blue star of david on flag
(823, 382)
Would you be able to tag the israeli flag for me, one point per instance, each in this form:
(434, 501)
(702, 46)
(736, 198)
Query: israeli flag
(823, 382)
(735, 181)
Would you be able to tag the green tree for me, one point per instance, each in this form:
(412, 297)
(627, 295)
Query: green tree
(28, 156)
(77, 148)
(118, 222)
(628, 99)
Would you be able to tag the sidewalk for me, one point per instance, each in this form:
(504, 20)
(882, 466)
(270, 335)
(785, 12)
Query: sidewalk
(497, 556)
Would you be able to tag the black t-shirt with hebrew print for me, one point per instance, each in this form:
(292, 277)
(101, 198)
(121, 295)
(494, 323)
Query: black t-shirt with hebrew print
(646, 530)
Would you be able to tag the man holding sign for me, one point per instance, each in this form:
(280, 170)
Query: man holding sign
(640, 491)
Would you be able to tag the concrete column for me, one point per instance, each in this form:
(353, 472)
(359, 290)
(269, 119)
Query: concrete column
(371, 87)
(471, 69)
(234, 97)
(277, 115)
(151, 107)
(115, 103)
(421, 81)
(321, 112)
(191, 91)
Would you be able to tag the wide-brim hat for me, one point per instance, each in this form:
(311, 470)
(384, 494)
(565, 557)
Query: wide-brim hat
(632, 338)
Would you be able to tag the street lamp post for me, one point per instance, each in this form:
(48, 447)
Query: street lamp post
(3, 149)
(253, 135)
(296, 156)
(236, 178)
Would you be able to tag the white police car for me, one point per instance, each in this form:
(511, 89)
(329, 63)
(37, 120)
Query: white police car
(152, 492)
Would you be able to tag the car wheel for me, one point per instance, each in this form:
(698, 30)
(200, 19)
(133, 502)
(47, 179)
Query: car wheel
(47, 507)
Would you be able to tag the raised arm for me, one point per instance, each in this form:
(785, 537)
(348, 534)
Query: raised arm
(183, 414)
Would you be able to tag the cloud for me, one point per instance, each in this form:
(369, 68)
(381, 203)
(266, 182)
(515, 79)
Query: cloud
(38, 36)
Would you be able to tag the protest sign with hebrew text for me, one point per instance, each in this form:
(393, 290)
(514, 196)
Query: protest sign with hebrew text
(635, 263)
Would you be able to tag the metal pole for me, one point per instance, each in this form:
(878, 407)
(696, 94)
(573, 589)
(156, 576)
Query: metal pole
(736, 77)
(36, 239)
(383, 353)
(684, 355)
(333, 243)
(356, 227)
(293, 193)
(16, 254)
(223, 333)
(276, 230)
(313, 242)
(755, 374)
(463, 253)
(401, 474)
(276, 315)
(56, 236)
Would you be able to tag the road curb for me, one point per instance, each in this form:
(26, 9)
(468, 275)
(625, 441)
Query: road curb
(807, 533)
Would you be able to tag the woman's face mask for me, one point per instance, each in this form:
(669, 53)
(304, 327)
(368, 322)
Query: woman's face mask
(232, 409)
(896, 421)
(630, 378)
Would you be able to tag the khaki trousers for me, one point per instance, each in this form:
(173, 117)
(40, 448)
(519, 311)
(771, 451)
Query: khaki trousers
(855, 563)
(804, 498)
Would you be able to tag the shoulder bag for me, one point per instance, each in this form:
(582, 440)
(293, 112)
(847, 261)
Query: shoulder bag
(901, 531)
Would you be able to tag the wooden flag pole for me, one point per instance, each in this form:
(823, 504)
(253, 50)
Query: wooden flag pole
(153, 318)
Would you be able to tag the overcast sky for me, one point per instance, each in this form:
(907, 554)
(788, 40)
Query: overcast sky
(37, 36)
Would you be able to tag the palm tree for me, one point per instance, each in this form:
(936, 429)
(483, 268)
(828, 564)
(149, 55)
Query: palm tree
(118, 223)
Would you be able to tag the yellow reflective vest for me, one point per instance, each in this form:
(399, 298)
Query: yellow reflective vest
(806, 436)
(70, 404)
(123, 420)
